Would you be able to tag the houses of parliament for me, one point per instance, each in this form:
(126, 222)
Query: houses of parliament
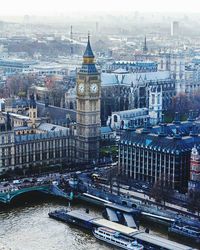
(30, 141)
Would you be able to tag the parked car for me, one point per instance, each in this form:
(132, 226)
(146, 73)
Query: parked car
(16, 182)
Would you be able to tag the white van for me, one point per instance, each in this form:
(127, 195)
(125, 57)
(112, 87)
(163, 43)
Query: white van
(16, 182)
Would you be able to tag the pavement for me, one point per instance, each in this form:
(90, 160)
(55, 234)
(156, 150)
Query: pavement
(146, 197)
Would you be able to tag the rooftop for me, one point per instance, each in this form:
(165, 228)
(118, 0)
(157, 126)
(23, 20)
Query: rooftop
(88, 50)
(174, 143)
(132, 78)
(22, 117)
(56, 114)
(115, 226)
(50, 127)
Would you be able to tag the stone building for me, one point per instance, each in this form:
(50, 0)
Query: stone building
(124, 91)
(29, 141)
(122, 119)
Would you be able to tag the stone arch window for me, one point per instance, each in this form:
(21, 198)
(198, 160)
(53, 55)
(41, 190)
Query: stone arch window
(115, 118)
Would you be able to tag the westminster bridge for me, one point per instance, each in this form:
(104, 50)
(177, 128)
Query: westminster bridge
(8, 195)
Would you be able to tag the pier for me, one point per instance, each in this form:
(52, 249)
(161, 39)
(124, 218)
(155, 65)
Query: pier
(85, 220)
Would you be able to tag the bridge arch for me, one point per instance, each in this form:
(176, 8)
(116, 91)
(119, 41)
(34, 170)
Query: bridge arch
(17, 193)
(2, 200)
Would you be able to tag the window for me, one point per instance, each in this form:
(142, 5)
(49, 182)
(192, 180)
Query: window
(158, 99)
(153, 99)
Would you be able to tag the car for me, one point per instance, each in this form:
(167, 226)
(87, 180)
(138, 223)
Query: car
(26, 181)
(16, 182)
(6, 184)
(144, 186)
(39, 179)
(55, 183)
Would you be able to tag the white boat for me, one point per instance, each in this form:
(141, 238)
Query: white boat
(115, 238)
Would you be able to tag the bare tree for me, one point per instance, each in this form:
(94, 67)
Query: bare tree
(194, 201)
(161, 191)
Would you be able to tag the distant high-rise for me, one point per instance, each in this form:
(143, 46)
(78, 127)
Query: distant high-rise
(145, 49)
(174, 28)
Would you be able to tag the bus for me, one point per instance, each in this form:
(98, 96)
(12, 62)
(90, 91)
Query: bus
(97, 178)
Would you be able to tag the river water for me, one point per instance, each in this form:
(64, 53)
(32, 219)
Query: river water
(25, 225)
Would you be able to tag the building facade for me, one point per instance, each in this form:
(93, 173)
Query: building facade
(160, 153)
(125, 91)
(122, 119)
(40, 149)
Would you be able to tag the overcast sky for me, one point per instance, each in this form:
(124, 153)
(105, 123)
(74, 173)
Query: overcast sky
(54, 7)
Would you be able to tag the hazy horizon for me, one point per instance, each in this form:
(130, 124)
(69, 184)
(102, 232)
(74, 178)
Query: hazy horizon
(58, 7)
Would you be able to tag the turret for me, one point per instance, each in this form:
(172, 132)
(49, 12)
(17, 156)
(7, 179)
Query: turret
(32, 111)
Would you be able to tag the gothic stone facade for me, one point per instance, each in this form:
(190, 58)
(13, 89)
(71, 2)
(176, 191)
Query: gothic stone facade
(36, 150)
(119, 97)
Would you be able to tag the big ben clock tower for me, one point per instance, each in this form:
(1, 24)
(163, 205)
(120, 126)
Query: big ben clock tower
(88, 91)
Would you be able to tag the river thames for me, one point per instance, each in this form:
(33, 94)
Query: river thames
(25, 225)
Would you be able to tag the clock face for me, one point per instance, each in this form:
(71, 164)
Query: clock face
(81, 88)
(93, 88)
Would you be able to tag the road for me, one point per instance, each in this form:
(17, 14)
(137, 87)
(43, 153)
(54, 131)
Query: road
(146, 197)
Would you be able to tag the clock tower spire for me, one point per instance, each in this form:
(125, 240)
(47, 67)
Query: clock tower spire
(88, 91)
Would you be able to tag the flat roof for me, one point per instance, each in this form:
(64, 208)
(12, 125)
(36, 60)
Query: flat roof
(81, 215)
(162, 242)
(115, 226)
(120, 207)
